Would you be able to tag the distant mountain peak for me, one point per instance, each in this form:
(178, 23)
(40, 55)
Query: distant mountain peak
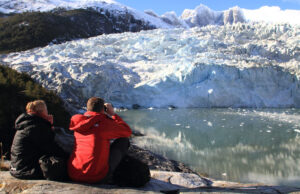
(200, 16)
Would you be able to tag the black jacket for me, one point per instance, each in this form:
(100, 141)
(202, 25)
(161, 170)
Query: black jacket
(34, 138)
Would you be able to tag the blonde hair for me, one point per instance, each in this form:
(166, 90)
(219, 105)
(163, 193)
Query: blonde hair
(36, 106)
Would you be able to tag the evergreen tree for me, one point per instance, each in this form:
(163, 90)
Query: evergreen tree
(17, 89)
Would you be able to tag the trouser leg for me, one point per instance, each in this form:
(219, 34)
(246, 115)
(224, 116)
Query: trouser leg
(118, 150)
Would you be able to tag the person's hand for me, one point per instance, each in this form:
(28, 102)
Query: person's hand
(109, 109)
(50, 118)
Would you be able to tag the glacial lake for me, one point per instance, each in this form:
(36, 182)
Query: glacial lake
(244, 145)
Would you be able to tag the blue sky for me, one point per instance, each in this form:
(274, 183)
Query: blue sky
(162, 6)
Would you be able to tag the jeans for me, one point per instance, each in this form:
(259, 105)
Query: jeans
(118, 149)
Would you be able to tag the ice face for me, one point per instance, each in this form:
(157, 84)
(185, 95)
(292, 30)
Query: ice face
(241, 65)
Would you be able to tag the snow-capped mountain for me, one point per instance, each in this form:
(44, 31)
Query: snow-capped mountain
(200, 16)
(239, 65)
(19, 6)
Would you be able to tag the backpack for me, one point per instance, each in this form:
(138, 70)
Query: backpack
(54, 168)
(131, 172)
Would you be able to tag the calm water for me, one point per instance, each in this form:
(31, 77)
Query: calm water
(244, 145)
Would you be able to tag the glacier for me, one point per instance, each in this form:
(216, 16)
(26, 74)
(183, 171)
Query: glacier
(238, 65)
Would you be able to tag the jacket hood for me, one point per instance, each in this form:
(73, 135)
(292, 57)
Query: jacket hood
(25, 120)
(84, 122)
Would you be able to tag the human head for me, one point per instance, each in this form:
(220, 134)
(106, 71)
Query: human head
(95, 104)
(37, 106)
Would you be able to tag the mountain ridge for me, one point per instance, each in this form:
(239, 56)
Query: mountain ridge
(28, 30)
(200, 16)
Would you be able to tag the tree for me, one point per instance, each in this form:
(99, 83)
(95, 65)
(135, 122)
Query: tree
(17, 89)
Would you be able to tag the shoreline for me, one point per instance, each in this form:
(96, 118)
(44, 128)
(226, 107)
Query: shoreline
(167, 176)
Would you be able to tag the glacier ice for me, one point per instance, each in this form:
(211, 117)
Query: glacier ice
(202, 16)
(239, 65)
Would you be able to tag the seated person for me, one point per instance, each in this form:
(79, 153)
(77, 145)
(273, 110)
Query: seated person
(94, 159)
(34, 138)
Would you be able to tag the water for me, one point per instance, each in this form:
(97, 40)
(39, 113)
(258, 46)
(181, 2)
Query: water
(243, 145)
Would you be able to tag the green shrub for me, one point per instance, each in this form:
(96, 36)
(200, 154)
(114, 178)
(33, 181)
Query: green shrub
(17, 89)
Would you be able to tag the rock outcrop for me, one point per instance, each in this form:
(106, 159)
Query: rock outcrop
(166, 182)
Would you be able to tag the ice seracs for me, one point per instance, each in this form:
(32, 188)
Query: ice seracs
(202, 16)
(240, 65)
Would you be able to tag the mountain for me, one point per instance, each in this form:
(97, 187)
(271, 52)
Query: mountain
(200, 16)
(35, 29)
(114, 8)
(238, 65)
(26, 24)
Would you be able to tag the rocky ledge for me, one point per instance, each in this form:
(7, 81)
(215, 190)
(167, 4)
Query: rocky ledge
(167, 176)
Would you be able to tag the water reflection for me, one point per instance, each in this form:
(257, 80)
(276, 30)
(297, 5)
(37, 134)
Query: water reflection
(231, 144)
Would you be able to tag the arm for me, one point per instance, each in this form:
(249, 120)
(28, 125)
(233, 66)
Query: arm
(43, 138)
(114, 128)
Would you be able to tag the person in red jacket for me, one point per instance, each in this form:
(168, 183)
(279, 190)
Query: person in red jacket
(94, 159)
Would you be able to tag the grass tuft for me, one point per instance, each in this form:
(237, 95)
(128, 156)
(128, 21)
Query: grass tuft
(3, 167)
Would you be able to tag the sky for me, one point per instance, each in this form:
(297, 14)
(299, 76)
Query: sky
(162, 6)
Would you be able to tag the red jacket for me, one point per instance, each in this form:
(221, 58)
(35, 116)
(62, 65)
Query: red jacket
(93, 132)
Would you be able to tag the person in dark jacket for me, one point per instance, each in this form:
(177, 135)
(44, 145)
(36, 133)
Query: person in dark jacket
(34, 138)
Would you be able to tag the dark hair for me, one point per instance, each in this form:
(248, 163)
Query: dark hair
(95, 104)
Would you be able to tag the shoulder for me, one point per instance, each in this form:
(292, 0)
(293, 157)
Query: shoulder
(77, 117)
(22, 117)
(23, 121)
(27, 121)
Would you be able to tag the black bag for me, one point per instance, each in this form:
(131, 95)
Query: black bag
(54, 168)
(131, 173)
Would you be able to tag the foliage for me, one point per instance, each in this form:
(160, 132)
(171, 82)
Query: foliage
(34, 29)
(16, 90)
